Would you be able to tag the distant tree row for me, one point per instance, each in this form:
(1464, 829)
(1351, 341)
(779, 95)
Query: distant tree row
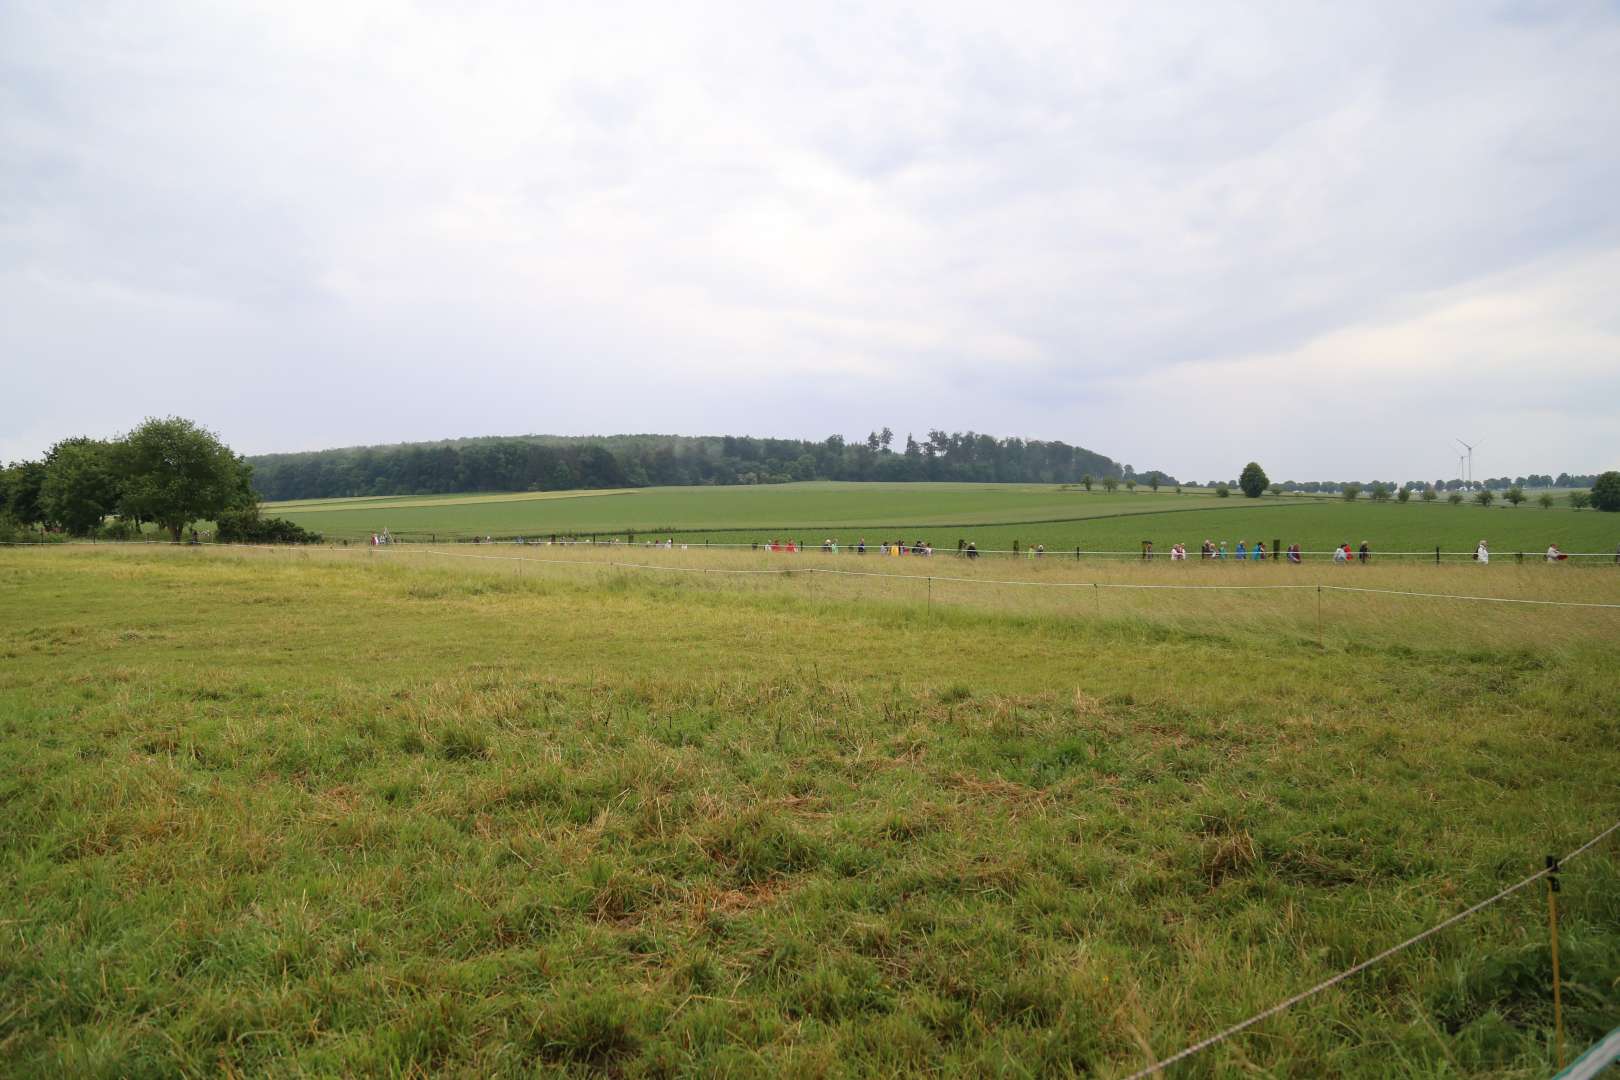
(551, 463)
(168, 472)
(1604, 493)
(1498, 483)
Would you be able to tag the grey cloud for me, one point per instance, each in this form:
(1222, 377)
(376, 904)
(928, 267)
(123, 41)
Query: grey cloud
(312, 225)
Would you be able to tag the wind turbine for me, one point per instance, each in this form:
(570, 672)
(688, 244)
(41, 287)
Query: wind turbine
(1469, 479)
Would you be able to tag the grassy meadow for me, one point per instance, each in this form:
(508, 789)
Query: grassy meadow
(991, 515)
(344, 812)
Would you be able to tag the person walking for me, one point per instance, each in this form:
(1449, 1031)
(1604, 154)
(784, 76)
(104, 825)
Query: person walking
(1365, 553)
(1482, 554)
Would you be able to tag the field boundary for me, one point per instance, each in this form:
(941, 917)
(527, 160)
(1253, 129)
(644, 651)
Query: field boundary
(875, 550)
(787, 571)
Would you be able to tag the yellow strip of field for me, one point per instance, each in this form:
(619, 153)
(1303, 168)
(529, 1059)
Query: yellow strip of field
(315, 506)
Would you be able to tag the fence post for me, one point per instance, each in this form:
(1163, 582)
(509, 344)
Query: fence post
(930, 596)
(1552, 927)
(1437, 555)
(1096, 590)
(1319, 617)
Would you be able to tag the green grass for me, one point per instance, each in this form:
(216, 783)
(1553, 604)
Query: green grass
(338, 813)
(992, 515)
(661, 509)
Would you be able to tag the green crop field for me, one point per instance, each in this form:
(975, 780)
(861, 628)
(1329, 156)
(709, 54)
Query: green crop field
(517, 811)
(991, 515)
(717, 508)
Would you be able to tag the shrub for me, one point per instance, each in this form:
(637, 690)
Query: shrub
(1580, 500)
(1514, 495)
(1454, 498)
(1485, 497)
(1350, 492)
(13, 531)
(1429, 494)
(247, 527)
(1404, 495)
(1223, 492)
(1545, 500)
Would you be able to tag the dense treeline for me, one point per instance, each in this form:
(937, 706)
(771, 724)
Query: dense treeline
(550, 463)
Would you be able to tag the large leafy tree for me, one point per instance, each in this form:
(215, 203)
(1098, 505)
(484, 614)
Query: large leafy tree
(176, 473)
(1606, 492)
(20, 484)
(81, 484)
(1253, 480)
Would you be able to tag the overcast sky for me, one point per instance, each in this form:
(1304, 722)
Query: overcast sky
(1328, 237)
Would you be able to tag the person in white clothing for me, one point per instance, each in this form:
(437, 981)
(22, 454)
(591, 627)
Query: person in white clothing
(1482, 554)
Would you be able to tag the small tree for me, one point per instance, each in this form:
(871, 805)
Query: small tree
(1086, 481)
(1545, 500)
(1275, 489)
(1130, 486)
(1110, 484)
(1454, 498)
(1606, 492)
(1253, 480)
(1379, 493)
(1429, 494)
(1350, 492)
(1222, 491)
(1404, 495)
(1153, 482)
(175, 472)
(1514, 495)
(1580, 500)
(1485, 496)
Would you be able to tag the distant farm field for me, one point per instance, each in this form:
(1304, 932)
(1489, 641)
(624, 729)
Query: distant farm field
(715, 508)
(518, 811)
(992, 516)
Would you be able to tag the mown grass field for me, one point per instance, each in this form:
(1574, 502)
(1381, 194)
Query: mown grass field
(356, 813)
(992, 516)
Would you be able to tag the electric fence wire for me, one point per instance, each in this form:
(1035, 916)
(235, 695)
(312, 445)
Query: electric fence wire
(1286, 1003)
